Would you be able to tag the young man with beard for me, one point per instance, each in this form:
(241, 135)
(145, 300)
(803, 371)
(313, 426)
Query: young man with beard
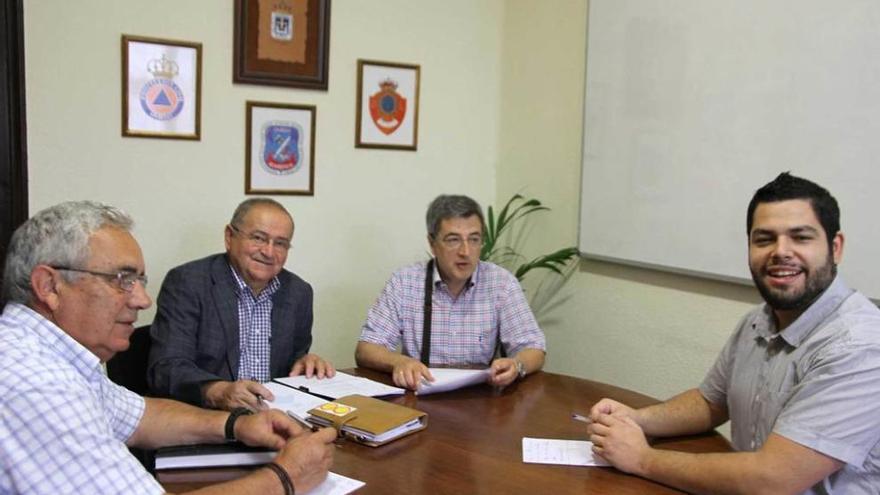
(799, 379)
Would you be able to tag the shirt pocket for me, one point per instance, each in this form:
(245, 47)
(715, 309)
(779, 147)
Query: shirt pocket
(780, 391)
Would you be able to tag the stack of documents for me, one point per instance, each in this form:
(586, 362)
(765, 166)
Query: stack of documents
(213, 455)
(339, 385)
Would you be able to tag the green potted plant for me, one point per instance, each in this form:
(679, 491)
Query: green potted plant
(500, 246)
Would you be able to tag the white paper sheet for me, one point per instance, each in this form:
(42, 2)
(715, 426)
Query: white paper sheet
(336, 484)
(289, 399)
(567, 452)
(340, 385)
(446, 379)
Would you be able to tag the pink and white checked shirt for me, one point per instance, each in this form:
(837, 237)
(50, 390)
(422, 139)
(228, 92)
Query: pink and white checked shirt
(463, 330)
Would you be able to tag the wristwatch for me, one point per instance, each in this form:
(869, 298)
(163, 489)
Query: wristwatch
(229, 429)
(520, 369)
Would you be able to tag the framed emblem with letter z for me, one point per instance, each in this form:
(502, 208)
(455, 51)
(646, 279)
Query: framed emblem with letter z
(280, 149)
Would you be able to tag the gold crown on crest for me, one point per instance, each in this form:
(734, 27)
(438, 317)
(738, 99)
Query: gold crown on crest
(388, 84)
(163, 67)
(282, 6)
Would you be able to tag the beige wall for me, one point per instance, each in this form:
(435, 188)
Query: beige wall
(366, 217)
(502, 100)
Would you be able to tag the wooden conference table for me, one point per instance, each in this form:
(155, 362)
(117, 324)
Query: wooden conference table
(473, 444)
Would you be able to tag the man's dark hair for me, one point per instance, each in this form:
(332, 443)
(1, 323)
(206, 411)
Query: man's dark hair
(245, 207)
(786, 187)
(451, 206)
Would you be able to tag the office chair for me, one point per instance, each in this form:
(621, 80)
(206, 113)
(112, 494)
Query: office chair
(129, 369)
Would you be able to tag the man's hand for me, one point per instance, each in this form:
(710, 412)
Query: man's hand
(241, 393)
(613, 408)
(307, 458)
(502, 372)
(620, 440)
(409, 373)
(270, 429)
(312, 365)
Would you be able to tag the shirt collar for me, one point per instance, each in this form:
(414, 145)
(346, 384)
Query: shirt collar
(822, 307)
(244, 289)
(470, 283)
(52, 336)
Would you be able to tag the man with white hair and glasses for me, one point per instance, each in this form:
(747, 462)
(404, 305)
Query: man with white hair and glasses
(74, 283)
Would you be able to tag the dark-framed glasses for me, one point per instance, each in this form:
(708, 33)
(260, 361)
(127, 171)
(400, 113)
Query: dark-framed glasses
(123, 279)
(260, 239)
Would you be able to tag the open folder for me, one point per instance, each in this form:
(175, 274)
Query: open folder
(367, 420)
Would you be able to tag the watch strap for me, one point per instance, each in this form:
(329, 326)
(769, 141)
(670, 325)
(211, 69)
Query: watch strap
(229, 429)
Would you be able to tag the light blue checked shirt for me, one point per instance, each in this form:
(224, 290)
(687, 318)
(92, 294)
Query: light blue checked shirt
(463, 330)
(63, 423)
(254, 329)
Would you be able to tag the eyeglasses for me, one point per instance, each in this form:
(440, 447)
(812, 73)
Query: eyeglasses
(454, 242)
(261, 240)
(123, 279)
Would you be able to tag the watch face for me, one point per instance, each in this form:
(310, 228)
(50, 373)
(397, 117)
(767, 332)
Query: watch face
(520, 369)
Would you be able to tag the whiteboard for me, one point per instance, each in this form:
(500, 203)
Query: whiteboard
(692, 105)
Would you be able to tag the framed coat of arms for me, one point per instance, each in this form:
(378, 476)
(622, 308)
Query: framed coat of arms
(387, 105)
(280, 149)
(161, 85)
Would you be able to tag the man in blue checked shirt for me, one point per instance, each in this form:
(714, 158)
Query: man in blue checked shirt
(474, 308)
(74, 283)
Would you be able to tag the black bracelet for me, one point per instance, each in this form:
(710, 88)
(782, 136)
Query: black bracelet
(286, 482)
(229, 429)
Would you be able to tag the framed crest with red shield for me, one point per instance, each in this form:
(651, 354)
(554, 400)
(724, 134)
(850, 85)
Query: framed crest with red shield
(161, 88)
(279, 149)
(387, 105)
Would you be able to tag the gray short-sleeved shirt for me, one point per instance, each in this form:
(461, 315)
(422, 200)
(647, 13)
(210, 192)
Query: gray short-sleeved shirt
(816, 383)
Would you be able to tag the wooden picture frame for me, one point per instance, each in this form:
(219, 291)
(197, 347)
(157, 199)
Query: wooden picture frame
(161, 88)
(387, 105)
(282, 43)
(279, 149)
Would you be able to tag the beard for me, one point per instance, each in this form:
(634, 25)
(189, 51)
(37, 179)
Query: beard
(785, 300)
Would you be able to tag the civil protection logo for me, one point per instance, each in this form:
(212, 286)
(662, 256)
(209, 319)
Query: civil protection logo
(160, 97)
(281, 147)
(387, 107)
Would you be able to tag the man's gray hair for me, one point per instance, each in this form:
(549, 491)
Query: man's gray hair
(448, 206)
(245, 206)
(58, 235)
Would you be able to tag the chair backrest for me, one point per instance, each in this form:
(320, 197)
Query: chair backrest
(129, 368)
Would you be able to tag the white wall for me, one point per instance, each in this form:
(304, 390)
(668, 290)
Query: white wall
(501, 102)
(366, 217)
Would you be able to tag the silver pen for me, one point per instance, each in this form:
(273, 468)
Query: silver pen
(578, 417)
(302, 422)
